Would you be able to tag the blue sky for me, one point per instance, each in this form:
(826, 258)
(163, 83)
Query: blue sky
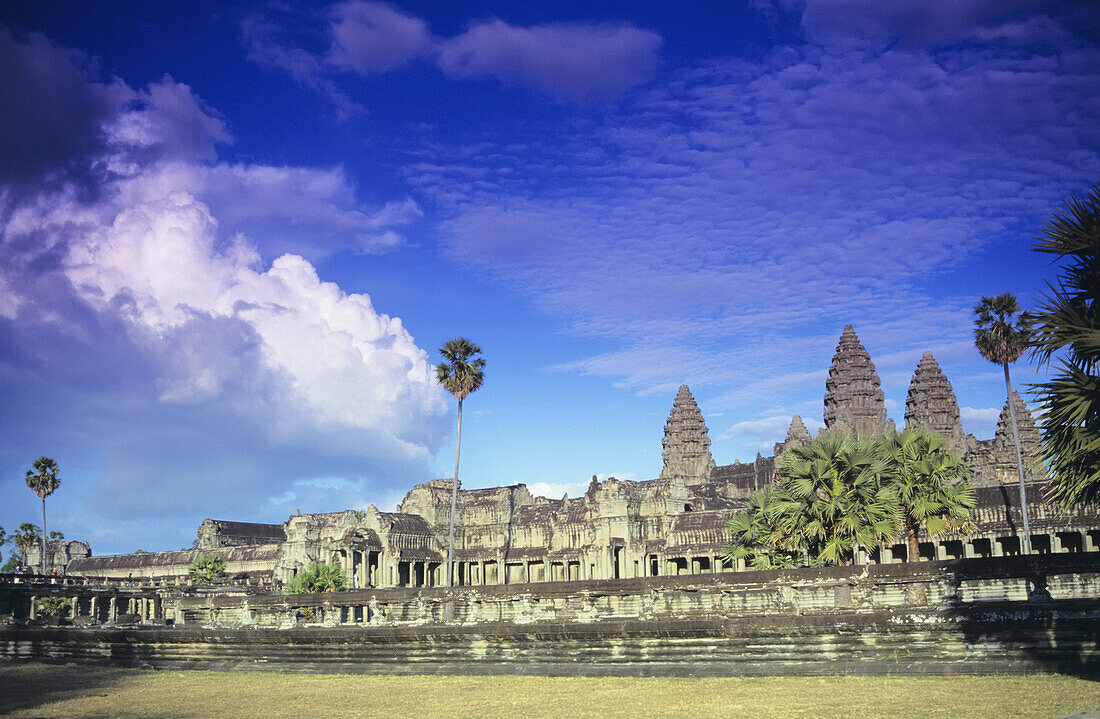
(233, 235)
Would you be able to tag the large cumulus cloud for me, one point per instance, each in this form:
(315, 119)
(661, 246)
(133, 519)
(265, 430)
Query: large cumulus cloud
(152, 331)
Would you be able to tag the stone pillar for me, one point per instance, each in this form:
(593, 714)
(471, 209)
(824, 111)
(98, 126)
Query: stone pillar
(74, 610)
(1088, 544)
(1057, 546)
(968, 550)
(34, 608)
(996, 547)
(112, 609)
(941, 550)
(95, 608)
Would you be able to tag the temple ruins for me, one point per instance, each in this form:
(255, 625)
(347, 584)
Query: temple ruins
(672, 525)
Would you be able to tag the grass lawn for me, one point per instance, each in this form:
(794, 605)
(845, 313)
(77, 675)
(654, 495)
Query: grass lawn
(35, 690)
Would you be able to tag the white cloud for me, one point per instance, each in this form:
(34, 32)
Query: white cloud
(567, 62)
(369, 37)
(195, 372)
(337, 358)
(575, 62)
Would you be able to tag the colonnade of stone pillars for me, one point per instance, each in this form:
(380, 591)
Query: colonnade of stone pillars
(146, 608)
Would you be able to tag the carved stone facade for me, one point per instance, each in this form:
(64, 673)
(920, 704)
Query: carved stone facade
(59, 553)
(854, 401)
(672, 525)
(687, 442)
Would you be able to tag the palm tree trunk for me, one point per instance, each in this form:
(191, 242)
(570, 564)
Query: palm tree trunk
(454, 503)
(43, 535)
(1026, 545)
(914, 545)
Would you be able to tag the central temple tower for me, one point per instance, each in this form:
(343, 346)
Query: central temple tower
(854, 401)
(686, 442)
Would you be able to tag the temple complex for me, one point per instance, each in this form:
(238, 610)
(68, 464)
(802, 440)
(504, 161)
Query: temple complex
(671, 525)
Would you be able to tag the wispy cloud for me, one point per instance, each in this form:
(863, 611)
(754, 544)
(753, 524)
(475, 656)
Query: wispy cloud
(727, 221)
(569, 62)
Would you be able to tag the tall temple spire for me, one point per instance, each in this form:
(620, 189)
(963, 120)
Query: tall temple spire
(853, 397)
(931, 404)
(797, 436)
(1029, 437)
(686, 442)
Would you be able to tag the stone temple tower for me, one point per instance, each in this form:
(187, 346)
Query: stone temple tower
(1004, 452)
(797, 436)
(687, 441)
(853, 396)
(931, 404)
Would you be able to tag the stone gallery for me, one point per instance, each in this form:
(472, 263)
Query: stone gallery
(672, 525)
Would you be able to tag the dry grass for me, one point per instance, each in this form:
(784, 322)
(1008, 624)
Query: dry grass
(52, 691)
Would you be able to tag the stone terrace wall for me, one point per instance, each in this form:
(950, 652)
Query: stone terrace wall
(998, 615)
(944, 585)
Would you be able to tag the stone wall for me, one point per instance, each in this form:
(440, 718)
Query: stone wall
(1001, 615)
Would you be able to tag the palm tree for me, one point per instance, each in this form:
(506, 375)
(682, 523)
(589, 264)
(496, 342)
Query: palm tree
(27, 536)
(1001, 338)
(930, 481)
(830, 499)
(43, 481)
(460, 375)
(318, 577)
(755, 536)
(1068, 323)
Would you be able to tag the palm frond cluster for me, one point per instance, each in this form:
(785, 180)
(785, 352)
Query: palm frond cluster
(840, 493)
(1067, 332)
(318, 577)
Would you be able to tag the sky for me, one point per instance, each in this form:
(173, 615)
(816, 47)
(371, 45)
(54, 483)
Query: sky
(234, 235)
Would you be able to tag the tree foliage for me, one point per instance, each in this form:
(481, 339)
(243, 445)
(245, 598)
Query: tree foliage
(27, 536)
(55, 606)
(206, 569)
(318, 577)
(757, 538)
(1068, 330)
(43, 480)
(933, 494)
(1001, 332)
(460, 374)
(840, 493)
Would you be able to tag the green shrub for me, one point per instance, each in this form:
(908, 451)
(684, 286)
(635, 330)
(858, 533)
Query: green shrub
(318, 577)
(206, 569)
(55, 606)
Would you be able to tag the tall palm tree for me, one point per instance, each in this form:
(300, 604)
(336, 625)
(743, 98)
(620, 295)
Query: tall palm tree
(460, 374)
(831, 499)
(1068, 324)
(43, 480)
(1001, 337)
(930, 481)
